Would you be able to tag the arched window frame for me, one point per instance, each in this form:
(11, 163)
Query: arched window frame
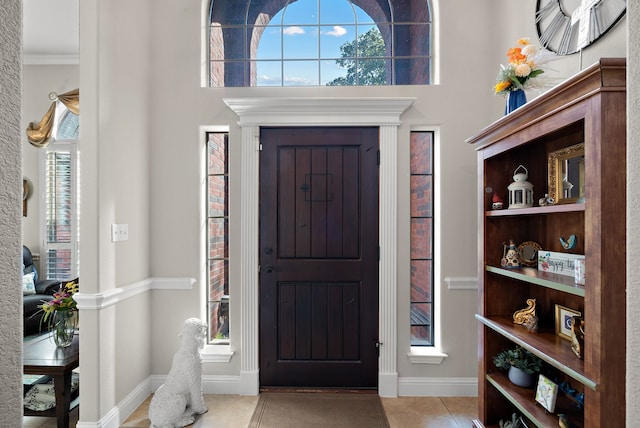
(235, 29)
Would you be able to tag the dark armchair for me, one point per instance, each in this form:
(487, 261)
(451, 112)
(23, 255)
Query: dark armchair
(44, 289)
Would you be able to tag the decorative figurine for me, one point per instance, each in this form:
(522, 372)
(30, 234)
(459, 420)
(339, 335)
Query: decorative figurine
(180, 398)
(573, 394)
(563, 421)
(527, 316)
(497, 202)
(531, 323)
(577, 336)
(515, 422)
(569, 243)
(510, 258)
(543, 202)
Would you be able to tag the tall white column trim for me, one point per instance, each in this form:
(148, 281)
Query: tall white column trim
(387, 365)
(249, 375)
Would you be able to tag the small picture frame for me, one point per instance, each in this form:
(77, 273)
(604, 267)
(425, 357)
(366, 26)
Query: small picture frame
(546, 393)
(563, 321)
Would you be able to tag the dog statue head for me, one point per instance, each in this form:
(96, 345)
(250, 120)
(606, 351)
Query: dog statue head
(194, 332)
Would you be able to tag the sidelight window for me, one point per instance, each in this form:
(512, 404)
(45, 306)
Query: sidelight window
(218, 236)
(421, 209)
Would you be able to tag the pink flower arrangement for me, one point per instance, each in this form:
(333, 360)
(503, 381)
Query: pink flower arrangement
(62, 300)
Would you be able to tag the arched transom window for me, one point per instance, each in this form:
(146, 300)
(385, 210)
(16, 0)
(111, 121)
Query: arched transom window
(319, 42)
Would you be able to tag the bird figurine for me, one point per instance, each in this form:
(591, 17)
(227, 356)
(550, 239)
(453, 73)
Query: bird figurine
(563, 421)
(569, 243)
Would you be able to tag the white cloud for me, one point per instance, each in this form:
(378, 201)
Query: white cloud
(299, 81)
(264, 80)
(292, 31)
(337, 31)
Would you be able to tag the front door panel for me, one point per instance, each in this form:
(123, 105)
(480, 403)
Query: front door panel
(319, 257)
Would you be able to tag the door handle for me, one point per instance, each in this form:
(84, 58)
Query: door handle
(269, 269)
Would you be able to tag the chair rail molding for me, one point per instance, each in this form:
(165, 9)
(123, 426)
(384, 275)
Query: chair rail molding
(96, 301)
(461, 283)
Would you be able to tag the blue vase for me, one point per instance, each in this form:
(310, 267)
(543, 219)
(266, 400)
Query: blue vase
(515, 99)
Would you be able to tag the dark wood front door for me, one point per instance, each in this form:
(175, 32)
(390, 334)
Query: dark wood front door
(319, 257)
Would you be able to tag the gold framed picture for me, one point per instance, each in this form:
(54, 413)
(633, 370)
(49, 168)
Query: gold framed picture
(563, 320)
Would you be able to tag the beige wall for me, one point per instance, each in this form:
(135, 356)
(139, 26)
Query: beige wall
(459, 106)
(142, 106)
(115, 82)
(458, 110)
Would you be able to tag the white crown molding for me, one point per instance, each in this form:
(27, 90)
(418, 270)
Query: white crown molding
(319, 111)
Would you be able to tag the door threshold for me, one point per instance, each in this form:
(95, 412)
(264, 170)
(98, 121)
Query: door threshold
(311, 390)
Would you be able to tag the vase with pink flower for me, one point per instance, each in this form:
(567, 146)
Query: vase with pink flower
(61, 314)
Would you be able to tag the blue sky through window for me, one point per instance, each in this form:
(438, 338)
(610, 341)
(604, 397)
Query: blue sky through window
(300, 45)
(307, 35)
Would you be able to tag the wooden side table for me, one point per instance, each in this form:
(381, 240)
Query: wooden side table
(42, 356)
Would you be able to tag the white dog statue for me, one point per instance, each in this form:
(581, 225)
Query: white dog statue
(176, 403)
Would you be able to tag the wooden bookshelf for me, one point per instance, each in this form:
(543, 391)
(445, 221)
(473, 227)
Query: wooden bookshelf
(589, 109)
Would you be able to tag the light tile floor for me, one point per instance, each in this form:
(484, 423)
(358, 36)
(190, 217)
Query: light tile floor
(234, 411)
(36, 421)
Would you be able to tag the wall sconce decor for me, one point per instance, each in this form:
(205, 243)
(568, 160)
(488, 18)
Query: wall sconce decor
(27, 191)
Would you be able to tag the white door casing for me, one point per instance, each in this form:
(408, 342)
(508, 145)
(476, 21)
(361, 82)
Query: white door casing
(381, 112)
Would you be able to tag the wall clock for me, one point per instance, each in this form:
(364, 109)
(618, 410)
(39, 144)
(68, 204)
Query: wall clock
(567, 26)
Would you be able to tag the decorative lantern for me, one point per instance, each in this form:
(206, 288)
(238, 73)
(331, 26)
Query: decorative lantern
(520, 191)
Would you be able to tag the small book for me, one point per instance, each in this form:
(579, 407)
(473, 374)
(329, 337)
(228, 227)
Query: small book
(546, 393)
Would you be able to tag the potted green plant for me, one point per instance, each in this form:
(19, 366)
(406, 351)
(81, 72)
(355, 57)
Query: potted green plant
(521, 364)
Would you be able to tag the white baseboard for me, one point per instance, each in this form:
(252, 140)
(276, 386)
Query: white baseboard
(117, 415)
(110, 420)
(211, 384)
(388, 384)
(249, 382)
(438, 387)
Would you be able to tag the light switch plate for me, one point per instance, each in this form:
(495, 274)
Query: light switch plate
(119, 232)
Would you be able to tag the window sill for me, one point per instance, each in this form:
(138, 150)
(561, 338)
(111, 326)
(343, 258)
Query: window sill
(216, 354)
(425, 355)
